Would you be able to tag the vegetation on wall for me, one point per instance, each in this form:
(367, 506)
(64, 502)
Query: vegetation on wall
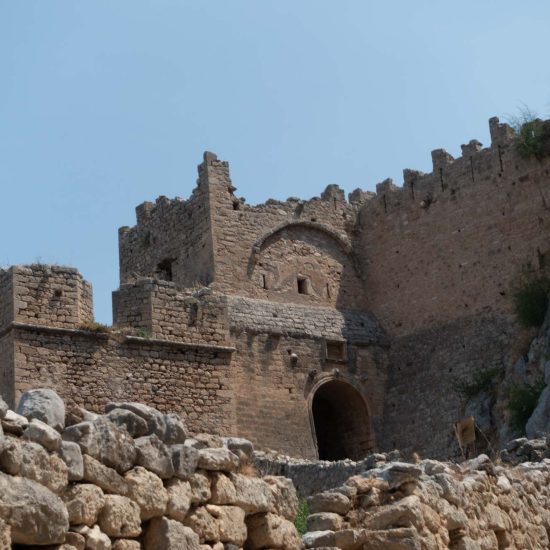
(480, 381)
(94, 326)
(522, 402)
(532, 134)
(531, 301)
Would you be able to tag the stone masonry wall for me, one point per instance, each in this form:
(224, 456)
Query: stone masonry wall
(158, 309)
(456, 241)
(172, 240)
(442, 256)
(261, 251)
(6, 299)
(55, 296)
(273, 393)
(89, 369)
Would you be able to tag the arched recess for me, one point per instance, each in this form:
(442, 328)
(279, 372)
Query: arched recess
(340, 421)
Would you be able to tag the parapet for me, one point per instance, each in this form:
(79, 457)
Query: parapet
(46, 295)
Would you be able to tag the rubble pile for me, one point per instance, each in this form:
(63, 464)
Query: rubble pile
(132, 478)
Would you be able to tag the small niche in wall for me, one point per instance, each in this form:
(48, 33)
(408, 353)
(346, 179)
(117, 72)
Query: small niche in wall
(336, 350)
(164, 269)
(264, 281)
(303, 285)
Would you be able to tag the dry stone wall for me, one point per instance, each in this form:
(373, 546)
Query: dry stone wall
(433, 505)
(129, 479)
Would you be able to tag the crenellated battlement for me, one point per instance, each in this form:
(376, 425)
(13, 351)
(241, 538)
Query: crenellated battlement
(449, 173)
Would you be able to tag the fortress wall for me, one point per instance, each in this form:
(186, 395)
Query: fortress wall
(465, 251)
(157, 309)
(273, 392)
(90, 370)
(440, 279)
(421, 406)
(51, 295)
(171, 240)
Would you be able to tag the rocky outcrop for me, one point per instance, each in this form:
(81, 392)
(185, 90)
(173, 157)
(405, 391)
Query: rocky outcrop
(132, 479)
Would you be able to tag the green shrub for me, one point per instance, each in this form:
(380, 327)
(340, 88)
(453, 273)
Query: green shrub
(522, 402)
(532, 135)
(143, 333)
(480, 381)
(301, 517)
(531, 302)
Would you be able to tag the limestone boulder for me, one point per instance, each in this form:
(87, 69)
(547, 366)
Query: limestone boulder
(176, 431)
(271, 531)
(285, 498)
(28, 459)
(106, 478)
(85, 434)
(76, 540)
(336, 503)
(84, 501)
(96, 539)
(135, 425)
(223, 490)
(184, 460)
(156, 423)
(231, 523)
(3, 408)
(203, 523)
(240, 446)
(120, 517)
(325, 521)
(43, 404)
(252, 494)
(154, 455)
(126, 544)
(34, 513)
(116, 446)
(319, 539)
(169, 535)
(71, 454)
(200, 488)
(146, 489)
(44, 435)
(5, 534)
(179, 499)
(14, 423)
(218, 459)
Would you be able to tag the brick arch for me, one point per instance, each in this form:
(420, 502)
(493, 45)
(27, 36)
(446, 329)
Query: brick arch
(340, 420)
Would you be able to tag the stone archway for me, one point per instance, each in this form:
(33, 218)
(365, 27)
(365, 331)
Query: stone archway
(341, 422)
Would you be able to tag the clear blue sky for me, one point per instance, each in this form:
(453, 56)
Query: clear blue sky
(105, 104)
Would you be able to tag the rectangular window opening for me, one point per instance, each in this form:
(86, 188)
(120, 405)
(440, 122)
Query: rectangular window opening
(302, 285)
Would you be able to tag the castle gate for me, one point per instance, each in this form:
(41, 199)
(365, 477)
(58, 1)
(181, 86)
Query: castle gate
(341, 422)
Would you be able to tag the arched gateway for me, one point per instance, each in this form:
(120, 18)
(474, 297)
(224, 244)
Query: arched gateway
(341, 422)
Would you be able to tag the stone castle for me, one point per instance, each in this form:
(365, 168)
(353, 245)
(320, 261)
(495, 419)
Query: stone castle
(321, 329)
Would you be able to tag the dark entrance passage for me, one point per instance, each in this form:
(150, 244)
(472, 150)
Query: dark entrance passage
(341, 422)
